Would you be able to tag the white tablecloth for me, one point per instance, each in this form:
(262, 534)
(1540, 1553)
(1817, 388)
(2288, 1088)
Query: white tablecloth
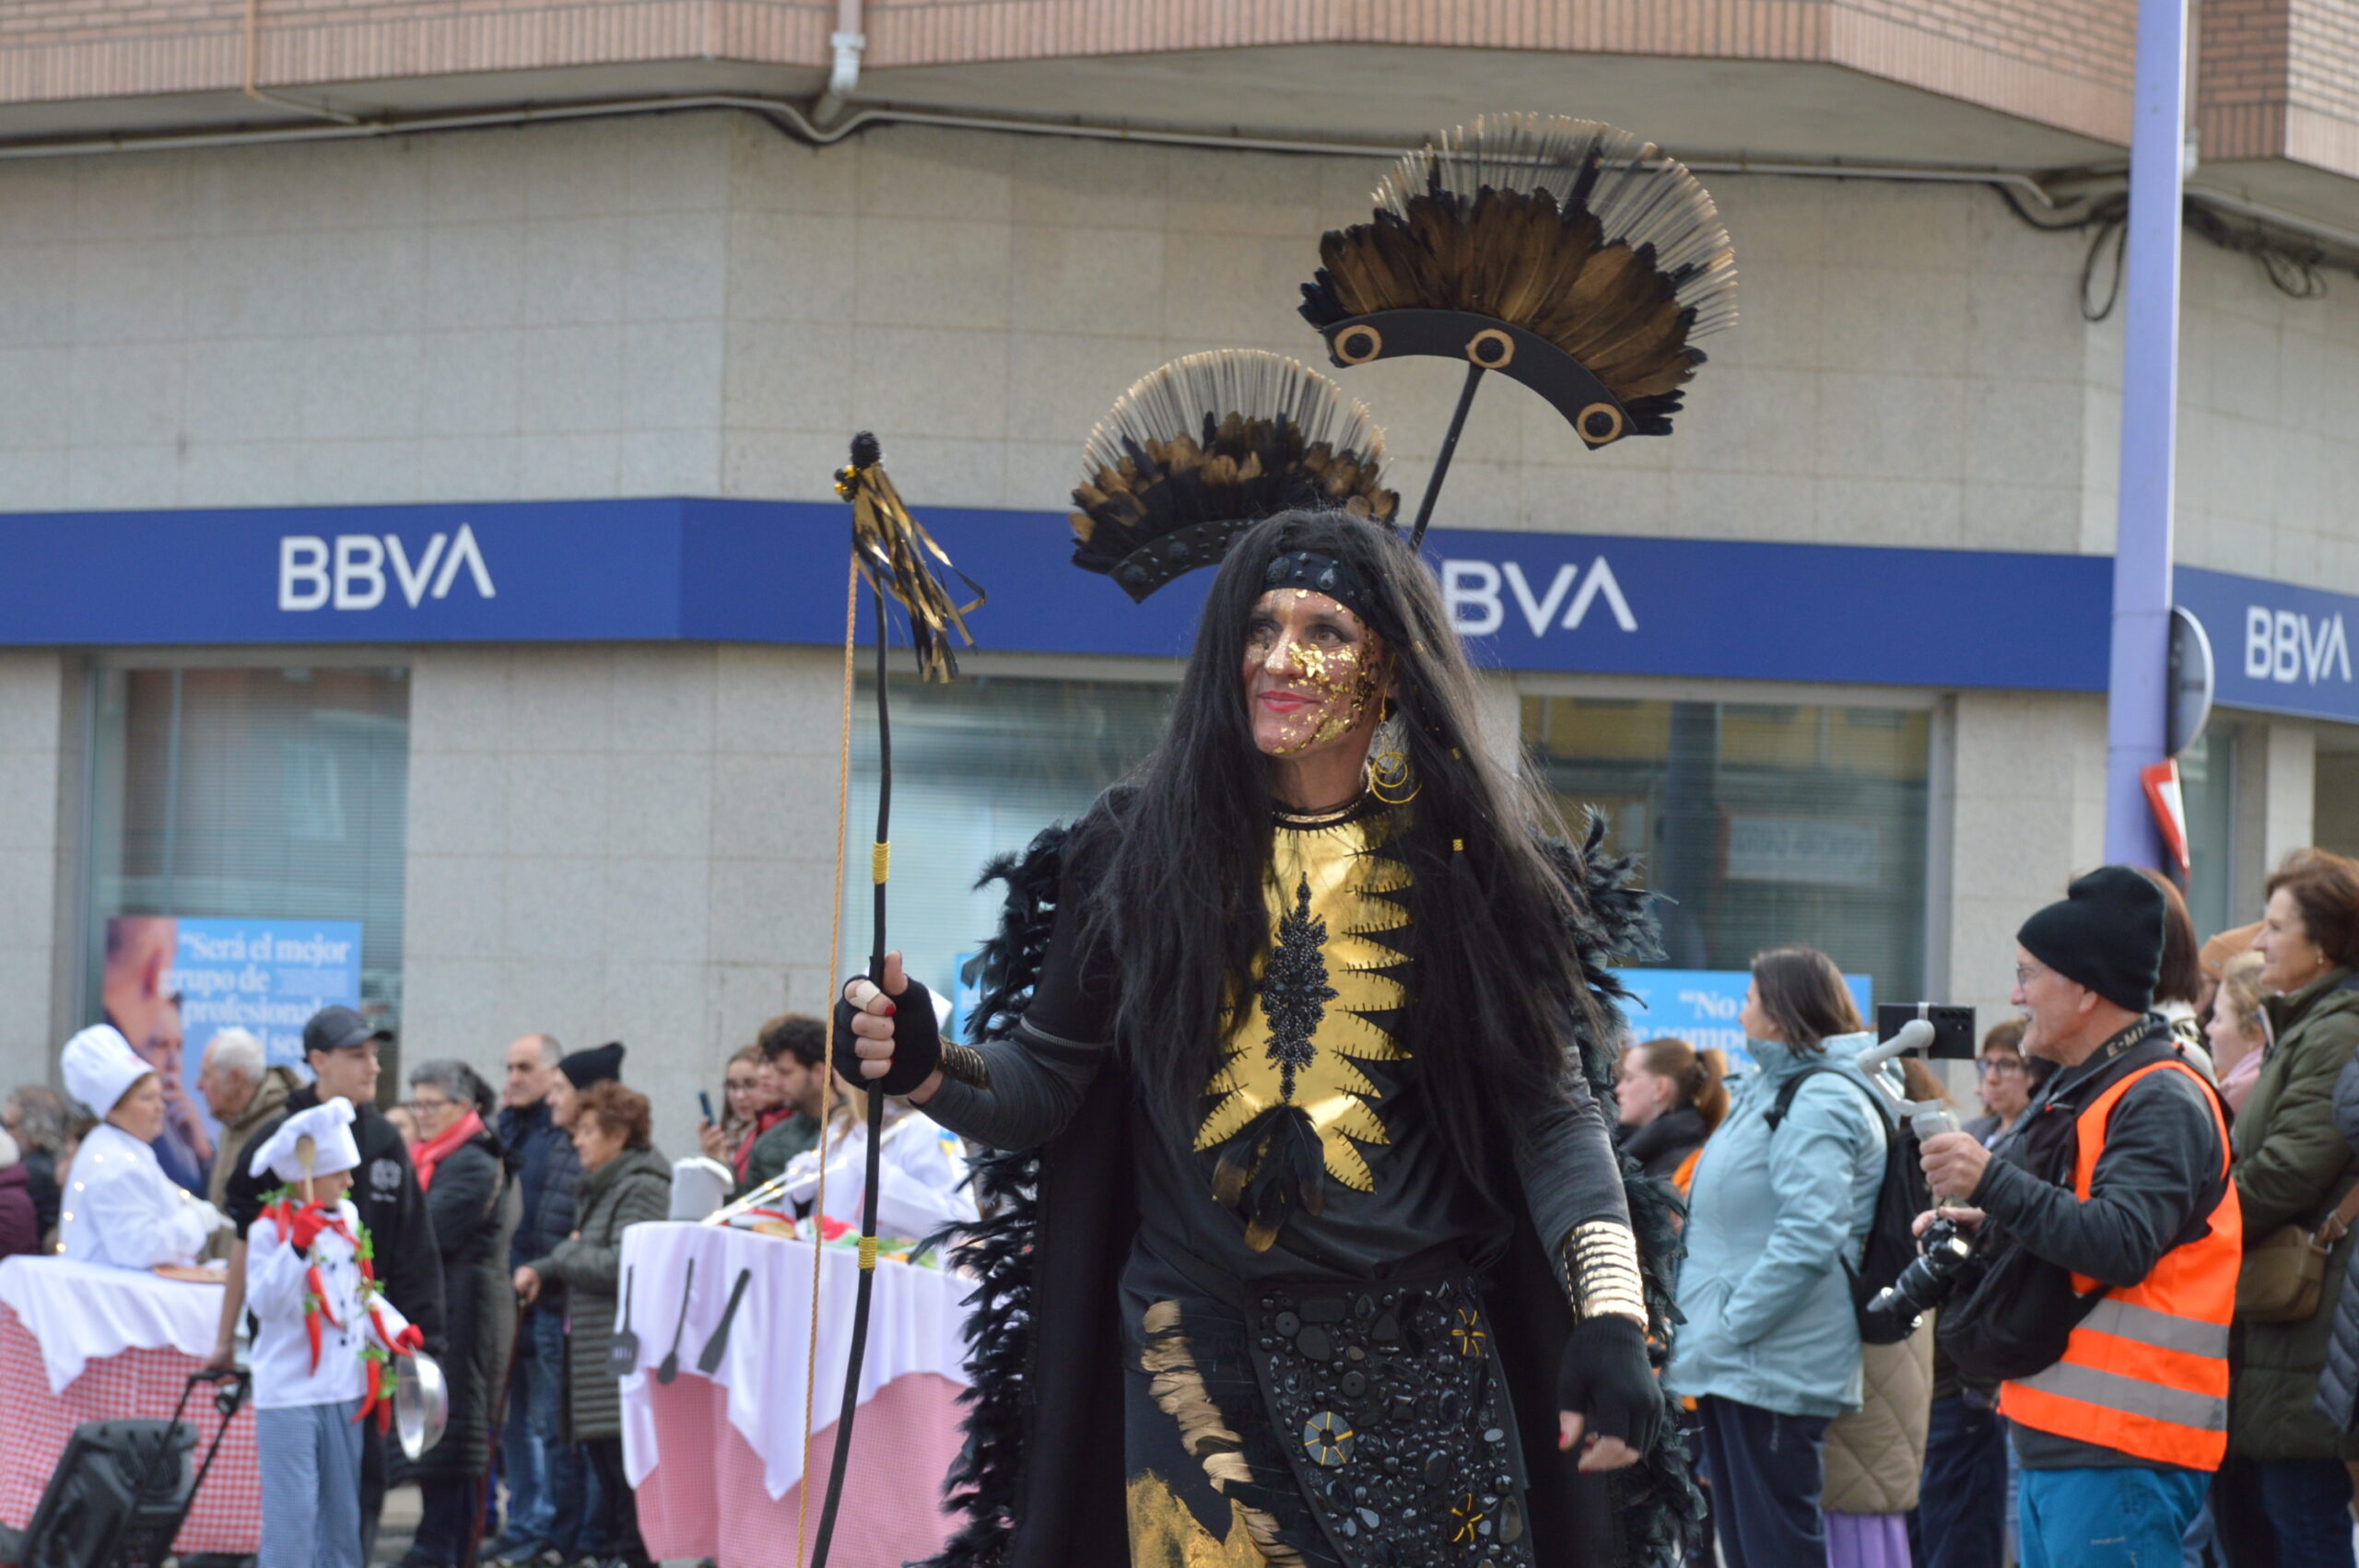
(85, 1312)
(917, 1325)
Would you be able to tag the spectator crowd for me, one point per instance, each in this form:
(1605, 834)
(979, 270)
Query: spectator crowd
(2145, 1346)
(2148, 1348)
(494, 1217)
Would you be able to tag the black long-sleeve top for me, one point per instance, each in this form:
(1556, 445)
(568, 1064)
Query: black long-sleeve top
(1416, 1199)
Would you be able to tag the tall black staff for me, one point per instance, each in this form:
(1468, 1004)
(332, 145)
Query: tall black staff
(890, 547)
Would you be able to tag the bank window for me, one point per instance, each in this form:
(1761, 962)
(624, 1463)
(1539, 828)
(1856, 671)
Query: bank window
(246, 840)
(979, 767)
(1759, 824)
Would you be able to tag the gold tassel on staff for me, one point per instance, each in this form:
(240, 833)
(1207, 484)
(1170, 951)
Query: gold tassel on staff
(886, 540)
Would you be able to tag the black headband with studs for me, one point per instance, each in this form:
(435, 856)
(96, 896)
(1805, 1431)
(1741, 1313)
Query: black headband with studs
(1321, 574)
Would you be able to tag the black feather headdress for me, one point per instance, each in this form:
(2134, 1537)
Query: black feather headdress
(1565, 254)
(1562, 235)
(1204, 447)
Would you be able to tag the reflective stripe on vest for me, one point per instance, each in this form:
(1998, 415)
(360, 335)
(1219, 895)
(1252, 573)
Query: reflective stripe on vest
(2146, 1373)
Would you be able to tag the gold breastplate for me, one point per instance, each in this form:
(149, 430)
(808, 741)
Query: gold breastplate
(1328, 994)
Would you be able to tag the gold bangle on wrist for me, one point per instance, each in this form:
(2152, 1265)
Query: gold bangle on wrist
(1602, 1271)
(967, 1065)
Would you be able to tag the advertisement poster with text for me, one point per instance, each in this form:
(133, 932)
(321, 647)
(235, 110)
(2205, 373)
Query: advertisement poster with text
(1701, 1006)
(171, 982)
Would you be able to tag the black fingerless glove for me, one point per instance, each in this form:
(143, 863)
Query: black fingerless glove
(1606, 1379)
(917, 1042)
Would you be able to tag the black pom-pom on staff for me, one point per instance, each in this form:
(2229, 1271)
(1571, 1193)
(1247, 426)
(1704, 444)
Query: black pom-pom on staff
(891, 549)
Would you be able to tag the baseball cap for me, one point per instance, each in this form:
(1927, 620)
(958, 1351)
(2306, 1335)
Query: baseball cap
(339, 1029)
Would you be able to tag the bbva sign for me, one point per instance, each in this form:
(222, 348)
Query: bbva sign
(350, 574)
(1472, 591)
(2290, 648)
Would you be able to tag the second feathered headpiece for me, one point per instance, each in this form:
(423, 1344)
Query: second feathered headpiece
(1566, 255)
(1201, 448)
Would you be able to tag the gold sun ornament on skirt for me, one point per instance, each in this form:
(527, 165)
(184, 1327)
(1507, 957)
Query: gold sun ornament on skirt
(1292, 1104)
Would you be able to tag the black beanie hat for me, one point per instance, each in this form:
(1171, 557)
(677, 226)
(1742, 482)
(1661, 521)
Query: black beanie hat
(2107, 934)
(596, 1065)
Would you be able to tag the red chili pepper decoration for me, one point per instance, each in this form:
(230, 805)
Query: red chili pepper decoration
(311, 1328)
(319, 1287)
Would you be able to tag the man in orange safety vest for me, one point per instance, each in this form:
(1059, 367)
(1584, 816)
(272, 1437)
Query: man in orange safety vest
(2116, 1178)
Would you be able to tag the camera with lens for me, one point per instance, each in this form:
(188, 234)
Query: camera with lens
(1892, 1314)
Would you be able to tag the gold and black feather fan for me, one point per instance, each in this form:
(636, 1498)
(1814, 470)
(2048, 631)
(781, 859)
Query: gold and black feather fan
(1565, 254)
(1204, 447)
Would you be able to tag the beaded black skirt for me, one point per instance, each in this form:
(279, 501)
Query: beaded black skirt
(1330, 1425)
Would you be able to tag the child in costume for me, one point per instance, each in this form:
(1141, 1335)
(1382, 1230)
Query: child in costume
(324, 1345)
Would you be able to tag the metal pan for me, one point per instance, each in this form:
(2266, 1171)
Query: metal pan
(421, 1403)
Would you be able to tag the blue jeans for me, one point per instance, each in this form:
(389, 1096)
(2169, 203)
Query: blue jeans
(551, 1492)
(2108, 1518)
(533, 1414)
(1961, 1511)
(309, 1457)
(2308, 1504)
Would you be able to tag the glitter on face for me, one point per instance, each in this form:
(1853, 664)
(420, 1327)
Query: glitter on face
(1307, 644)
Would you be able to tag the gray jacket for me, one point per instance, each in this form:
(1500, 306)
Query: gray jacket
(631, 1189)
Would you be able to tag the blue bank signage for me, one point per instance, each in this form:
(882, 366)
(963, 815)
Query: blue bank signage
(2277, 647)
(353, 571)
(773, 571)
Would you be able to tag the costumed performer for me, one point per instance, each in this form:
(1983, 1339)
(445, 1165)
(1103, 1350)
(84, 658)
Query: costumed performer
(1302, 1069)
(324, 1339)
(119, 1207)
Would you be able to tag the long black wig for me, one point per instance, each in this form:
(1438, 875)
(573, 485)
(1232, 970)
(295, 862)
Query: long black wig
(1184, 847)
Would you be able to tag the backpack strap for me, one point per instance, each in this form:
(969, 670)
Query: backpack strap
(1792, 1086)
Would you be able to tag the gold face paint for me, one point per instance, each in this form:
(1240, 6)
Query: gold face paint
(1306, 645)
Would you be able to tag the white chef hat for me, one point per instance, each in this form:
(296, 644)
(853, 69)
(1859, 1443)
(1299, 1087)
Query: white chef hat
(100, 1067)
(329, 1127)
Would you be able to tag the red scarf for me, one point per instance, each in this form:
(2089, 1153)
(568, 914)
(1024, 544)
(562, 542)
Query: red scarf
(433, 1153)
(762, 1124)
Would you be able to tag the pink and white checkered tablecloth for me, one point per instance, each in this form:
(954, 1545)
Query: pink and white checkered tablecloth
(35, 1426)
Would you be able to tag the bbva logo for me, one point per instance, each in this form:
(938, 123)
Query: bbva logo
(351, 573)
(2287, 647)
(1471, 589)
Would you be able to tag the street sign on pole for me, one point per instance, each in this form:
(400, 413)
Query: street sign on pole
(2191, 681)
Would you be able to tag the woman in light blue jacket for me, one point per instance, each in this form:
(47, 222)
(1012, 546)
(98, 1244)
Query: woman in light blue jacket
(1770, 1350)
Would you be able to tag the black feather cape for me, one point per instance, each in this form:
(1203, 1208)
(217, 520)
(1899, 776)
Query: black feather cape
(1041, 1480)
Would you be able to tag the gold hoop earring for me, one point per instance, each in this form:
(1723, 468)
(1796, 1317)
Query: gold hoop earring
(1390, 777)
